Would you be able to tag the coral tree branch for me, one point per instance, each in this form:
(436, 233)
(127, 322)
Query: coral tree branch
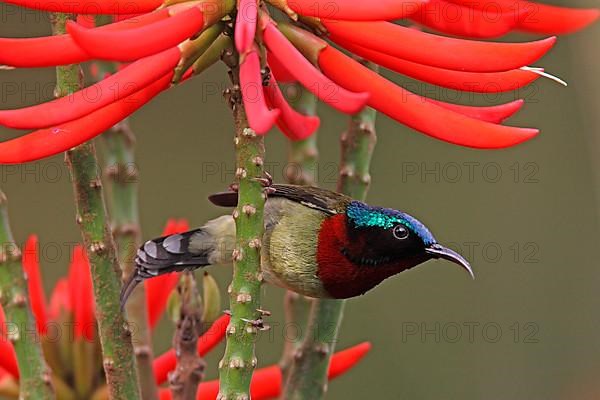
(115, 337)
(238, 363)
(122, 178)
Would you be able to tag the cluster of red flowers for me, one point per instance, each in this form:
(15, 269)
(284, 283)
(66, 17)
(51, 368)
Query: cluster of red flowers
(169, 42)
(66, 327)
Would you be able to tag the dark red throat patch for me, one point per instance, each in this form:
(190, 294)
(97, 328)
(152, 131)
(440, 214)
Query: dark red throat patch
(341, 277)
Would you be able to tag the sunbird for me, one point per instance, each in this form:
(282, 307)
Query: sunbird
(316, 242)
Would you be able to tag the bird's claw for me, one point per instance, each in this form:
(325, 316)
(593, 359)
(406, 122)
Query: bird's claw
(257, 323)
(269, 190)
(267, 181)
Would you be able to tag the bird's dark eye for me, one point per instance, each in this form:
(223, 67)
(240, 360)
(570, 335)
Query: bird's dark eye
(400, 232)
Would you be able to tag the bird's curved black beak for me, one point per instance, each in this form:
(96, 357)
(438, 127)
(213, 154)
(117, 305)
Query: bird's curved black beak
(438, 251)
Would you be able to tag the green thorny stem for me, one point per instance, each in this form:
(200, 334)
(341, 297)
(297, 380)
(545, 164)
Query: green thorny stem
(122, 178)
(115, 336)
(301, 170)
(308, 375)
(186, 377)
(238, 363)
(35, 376)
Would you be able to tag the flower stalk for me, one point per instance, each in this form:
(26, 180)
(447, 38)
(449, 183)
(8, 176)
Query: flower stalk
(308, 375)
(34, 374)
(115, 337)
(238, 363)
(122, 178)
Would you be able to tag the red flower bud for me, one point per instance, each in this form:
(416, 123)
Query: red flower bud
(50, 141)
(37, 297)
(135, 43)
(294, 125)
(8, 360)
(82, 294)
(59, 299)
(435, 50)
(159, 288)
(353, 10)
(411, 110)
(90, 6)
(131, 79)
(167, 362)
(260, 118)
(311, 78)
(479, 82)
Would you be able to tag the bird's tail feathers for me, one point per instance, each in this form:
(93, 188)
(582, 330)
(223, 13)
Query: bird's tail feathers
(167, 254)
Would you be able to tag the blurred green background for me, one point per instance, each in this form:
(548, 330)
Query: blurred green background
(526, 218)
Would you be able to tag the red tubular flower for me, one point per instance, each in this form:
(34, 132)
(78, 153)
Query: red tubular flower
(8, 358)
(87, 21)
(167, 362)
(61, 49)
(267, 382)
(159, 288)
(494, 114)
(321, 86)
(438, 51)
(278, 70)
(82, 295)
(540, 18)
(245, 27)
(479, 82)
(131, 79)
(90, 6)
(40, 52)
(294, 125)
(31, 265)
(382, 10)
(135, 43)
(50, 141)
(260, 118)
(411, 110)
(457, 20)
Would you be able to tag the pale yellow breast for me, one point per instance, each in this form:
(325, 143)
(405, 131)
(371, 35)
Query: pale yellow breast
(289, 251)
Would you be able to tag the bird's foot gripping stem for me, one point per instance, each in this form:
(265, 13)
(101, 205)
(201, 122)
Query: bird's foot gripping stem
(266, 182)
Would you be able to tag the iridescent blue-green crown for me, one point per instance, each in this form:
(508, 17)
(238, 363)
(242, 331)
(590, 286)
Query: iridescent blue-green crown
(363, 215)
